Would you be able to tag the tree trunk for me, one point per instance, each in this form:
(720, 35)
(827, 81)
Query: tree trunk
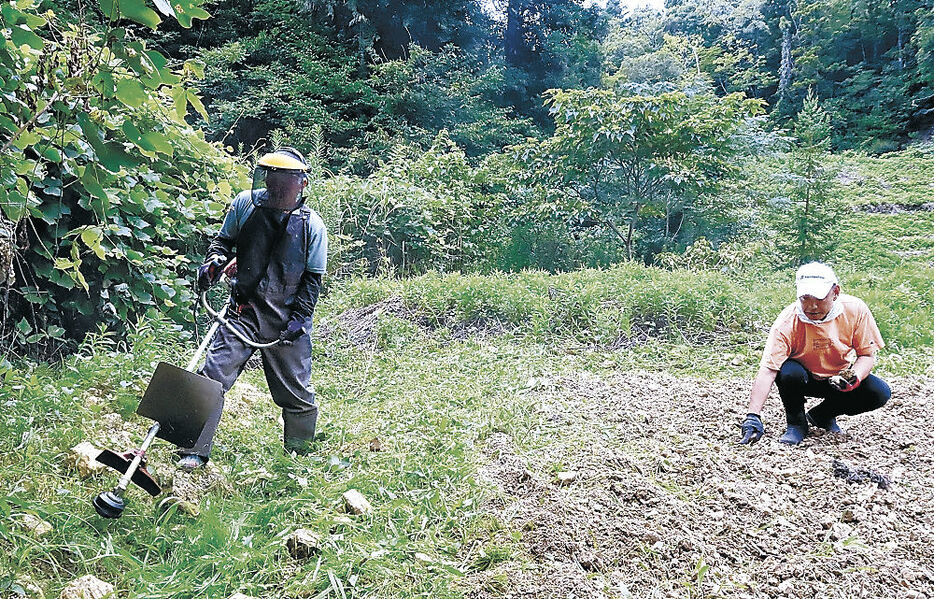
(513, 41)
(629, 242)
(806, 232)
(785, 71)
(901, 45)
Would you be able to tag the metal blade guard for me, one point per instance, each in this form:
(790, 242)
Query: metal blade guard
(181, 402)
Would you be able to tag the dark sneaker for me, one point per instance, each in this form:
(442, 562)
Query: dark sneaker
(794, 434)
(829, 425)
(190, 462)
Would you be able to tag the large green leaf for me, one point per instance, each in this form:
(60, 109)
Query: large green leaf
(188, 10)
(23, 35)
(196, 102)
(104, 82)
(110, 154)
(133, 133)
(13, 204)
(92, 236)
(110, 9)
(159, 141)
(13, 16)
(91, 183)
(180, 98)
(131, 93)
(136, 10)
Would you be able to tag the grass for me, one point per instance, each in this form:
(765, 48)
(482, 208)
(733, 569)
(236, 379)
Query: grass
(902, 178)
(430, 395)
(425, 404)
(590, 306)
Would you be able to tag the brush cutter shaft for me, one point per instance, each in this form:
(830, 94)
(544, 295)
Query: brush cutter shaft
(125, 479)
(220, 318)
(203, 347)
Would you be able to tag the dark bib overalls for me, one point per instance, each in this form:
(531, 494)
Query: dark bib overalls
(287, 367)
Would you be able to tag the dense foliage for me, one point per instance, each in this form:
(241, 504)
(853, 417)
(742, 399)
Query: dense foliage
(635, 166)
(865, 60)
(417, 211)
(104, 185)
(378, 72)
(451, 136)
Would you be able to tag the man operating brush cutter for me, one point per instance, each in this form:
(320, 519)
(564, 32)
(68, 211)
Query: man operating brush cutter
(281, 250)
(807, 354)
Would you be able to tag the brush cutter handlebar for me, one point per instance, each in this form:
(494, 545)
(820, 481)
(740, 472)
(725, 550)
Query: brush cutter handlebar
(219, 318)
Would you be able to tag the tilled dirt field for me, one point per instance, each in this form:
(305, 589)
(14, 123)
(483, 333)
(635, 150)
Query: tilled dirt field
(665, 504)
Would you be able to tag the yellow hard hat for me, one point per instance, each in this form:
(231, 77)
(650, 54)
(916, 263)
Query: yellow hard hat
(283, 160)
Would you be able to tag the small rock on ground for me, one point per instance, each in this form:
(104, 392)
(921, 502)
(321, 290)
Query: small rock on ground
(356, 503)
(83, 459)
(87, 587)
(303, 543)
(566, 478)
(36, 526)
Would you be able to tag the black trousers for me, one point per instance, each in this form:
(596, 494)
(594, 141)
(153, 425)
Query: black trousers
(288, 374)
(795, 383)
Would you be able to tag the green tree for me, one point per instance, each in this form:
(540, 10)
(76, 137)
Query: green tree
(807, 215)
(368, 75)
(636, 167)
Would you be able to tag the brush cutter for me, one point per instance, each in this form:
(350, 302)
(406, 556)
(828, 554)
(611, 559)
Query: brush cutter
(180, 402)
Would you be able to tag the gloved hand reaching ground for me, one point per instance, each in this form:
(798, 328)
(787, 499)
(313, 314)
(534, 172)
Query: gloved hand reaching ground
(752, 429)
(846, 380)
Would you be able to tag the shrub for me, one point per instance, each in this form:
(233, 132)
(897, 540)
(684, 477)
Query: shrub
(105, 188)
(418, 211)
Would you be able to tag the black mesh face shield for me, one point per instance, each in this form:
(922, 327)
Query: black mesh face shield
(278, 189)
(278, 180)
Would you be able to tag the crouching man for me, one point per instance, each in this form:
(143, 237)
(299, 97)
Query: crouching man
(807, 353)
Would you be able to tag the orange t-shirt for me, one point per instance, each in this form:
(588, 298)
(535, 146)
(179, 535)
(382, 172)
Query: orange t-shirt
(822, 348)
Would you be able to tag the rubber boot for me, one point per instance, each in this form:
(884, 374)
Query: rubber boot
(828, 422)
(797, 428)
(298, 446)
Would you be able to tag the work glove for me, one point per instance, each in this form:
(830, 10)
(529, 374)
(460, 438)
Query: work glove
(209, 272)
(844, 384)
(293, 331)
(752, 429)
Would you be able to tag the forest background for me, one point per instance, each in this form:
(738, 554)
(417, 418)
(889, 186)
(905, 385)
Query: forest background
(446, 136)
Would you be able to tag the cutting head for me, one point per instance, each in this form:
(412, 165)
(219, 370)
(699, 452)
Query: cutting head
(181, 402)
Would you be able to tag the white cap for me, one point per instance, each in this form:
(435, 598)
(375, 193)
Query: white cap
(815, 279)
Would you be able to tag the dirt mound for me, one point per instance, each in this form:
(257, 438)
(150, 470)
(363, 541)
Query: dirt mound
(667, 505)
(361, 325)
(889, 208)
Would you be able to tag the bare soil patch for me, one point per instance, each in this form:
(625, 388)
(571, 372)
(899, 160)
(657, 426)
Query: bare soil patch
(889, 208)
(665, 503)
